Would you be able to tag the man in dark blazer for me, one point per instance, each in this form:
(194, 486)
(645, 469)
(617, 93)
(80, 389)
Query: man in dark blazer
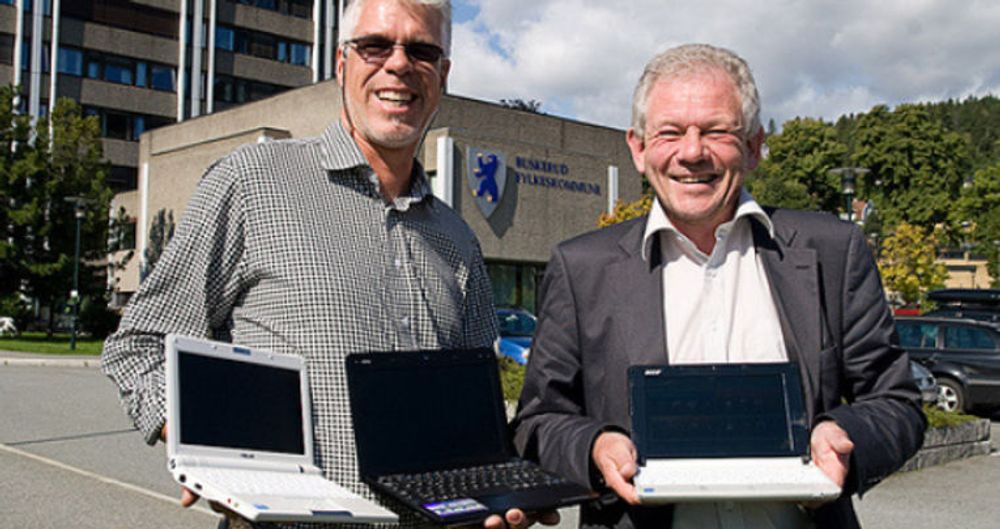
(798, 286)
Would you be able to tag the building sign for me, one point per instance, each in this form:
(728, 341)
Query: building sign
(544, 173)
(487, 175)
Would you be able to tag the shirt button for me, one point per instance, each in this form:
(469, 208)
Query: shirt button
(397, 263)
(405, 322)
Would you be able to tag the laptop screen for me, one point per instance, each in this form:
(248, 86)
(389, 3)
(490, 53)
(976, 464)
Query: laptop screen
(418, 411)
(241, 405)
(748, 410)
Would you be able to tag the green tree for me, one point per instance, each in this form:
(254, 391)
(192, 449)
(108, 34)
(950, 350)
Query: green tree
(40, 170)
(908, 263)
(796, 171)
(978, 207)
(916, 165)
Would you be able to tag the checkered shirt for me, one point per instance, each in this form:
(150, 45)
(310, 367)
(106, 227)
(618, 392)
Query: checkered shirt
(289, 246)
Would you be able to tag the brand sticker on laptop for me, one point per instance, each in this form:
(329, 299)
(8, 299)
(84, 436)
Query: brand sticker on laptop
(455, 507)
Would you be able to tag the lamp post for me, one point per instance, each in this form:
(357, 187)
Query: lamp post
(848, 181)
(80, 212)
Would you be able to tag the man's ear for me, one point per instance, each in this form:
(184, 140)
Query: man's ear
(445, 68)
(637, 146)
(341, 57)
(755, 146)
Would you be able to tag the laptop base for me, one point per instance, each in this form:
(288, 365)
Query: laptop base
(736, 479)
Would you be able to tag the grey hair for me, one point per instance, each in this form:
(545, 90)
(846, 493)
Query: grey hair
(353, 12)
(696, 58)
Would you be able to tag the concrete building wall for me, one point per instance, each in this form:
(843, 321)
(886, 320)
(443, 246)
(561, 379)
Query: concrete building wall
(530, 217)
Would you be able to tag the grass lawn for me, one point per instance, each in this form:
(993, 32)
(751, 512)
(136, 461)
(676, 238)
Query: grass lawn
(37, 342)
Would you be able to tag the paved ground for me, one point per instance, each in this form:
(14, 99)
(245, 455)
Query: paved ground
(68, 458)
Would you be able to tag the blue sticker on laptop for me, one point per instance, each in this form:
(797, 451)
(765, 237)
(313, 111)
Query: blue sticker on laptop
(455, 507)
(261, 506)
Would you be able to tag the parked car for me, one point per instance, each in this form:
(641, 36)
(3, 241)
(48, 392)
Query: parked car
(963, 355)
(517, 326)
(976, 303)
(926, 382)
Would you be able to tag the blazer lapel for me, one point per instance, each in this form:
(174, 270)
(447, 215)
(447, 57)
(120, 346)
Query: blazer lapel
(793, 275)
(639, 300)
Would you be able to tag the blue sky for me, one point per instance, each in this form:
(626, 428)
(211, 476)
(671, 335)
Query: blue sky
(819, 58)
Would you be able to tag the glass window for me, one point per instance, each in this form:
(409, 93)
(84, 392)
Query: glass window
(118, 71)
(6, 49)
(141, 69)
(70, 61)
(225, 38)
(7, 2)
(162, 78)
(242, 42)
(968, 338)
(282, 51)
(916, 334)
(263, 46)
(300, 54)
(300, 8)
(117, 126)
(122, 178)
(93, 66)
(138, 127)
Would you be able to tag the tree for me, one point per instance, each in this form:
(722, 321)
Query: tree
(530, 105)
(796, 172)
(38, 172)
(978, 207)
(916, 165)
(627, 210)
(908, 263)
(160, 233)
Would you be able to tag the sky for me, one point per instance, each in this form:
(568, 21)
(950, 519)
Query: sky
(811, 58)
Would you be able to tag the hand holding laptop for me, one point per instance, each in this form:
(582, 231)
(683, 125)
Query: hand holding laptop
(831, 450)
(615, 456)
(188, 498)
(517, 519)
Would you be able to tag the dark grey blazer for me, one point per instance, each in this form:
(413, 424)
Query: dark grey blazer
(602, 310)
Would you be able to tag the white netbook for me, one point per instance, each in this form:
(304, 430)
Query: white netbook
(723, 432)
(240, 434)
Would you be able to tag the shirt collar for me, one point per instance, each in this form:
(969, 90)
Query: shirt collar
(658, 221)
(340, 154)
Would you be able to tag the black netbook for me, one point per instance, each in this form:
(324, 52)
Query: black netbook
(432, 432)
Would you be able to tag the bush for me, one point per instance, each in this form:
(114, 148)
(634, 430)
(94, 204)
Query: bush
(511, 378)
(938, 418)
(11, 306)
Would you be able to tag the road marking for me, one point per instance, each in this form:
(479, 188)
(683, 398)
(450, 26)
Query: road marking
(104, 479)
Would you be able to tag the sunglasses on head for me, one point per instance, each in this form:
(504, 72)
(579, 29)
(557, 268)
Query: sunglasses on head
(378, 49)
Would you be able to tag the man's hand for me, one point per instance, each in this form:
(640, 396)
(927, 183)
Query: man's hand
(615, 456)
(517, 519)
(831, 451)
(188, 498)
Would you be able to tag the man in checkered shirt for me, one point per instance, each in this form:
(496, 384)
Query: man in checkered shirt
(323, 246)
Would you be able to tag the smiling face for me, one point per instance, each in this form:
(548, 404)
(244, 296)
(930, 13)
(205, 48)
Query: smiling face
(694, 150)
(389, 103)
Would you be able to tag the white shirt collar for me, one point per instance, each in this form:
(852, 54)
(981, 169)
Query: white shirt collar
(657, 220)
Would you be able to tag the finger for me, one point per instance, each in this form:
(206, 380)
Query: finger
(494, 522)
(188, 498)
(614, 479)
(516, 519)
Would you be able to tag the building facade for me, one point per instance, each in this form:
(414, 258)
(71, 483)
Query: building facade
(141, 64)
(550, 178)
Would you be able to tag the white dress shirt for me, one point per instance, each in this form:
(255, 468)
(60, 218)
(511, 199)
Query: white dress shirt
(718, 308)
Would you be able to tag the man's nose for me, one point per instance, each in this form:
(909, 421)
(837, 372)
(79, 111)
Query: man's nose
(398, 61)
(691, 148)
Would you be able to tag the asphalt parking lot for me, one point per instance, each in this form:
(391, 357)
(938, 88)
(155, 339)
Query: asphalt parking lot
(69, 458)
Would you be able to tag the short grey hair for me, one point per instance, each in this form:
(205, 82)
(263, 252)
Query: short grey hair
(690, 59)
(353, 12)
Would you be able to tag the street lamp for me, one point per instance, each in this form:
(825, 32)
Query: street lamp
(848, 181)
(80, 212)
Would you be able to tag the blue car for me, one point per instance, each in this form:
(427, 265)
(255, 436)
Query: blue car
(516, 328)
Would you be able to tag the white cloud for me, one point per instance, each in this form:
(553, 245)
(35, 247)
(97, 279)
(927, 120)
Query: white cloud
(581, 58)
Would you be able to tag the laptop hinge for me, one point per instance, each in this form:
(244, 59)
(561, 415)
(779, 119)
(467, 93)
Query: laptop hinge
(242, 464)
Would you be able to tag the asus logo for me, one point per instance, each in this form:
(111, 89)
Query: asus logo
(653, 372)
(246, 456)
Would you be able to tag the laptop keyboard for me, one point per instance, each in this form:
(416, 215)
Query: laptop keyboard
(480, 481)
(242, 482)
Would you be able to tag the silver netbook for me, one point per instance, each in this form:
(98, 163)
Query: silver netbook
(240, 433)
(723, 432)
